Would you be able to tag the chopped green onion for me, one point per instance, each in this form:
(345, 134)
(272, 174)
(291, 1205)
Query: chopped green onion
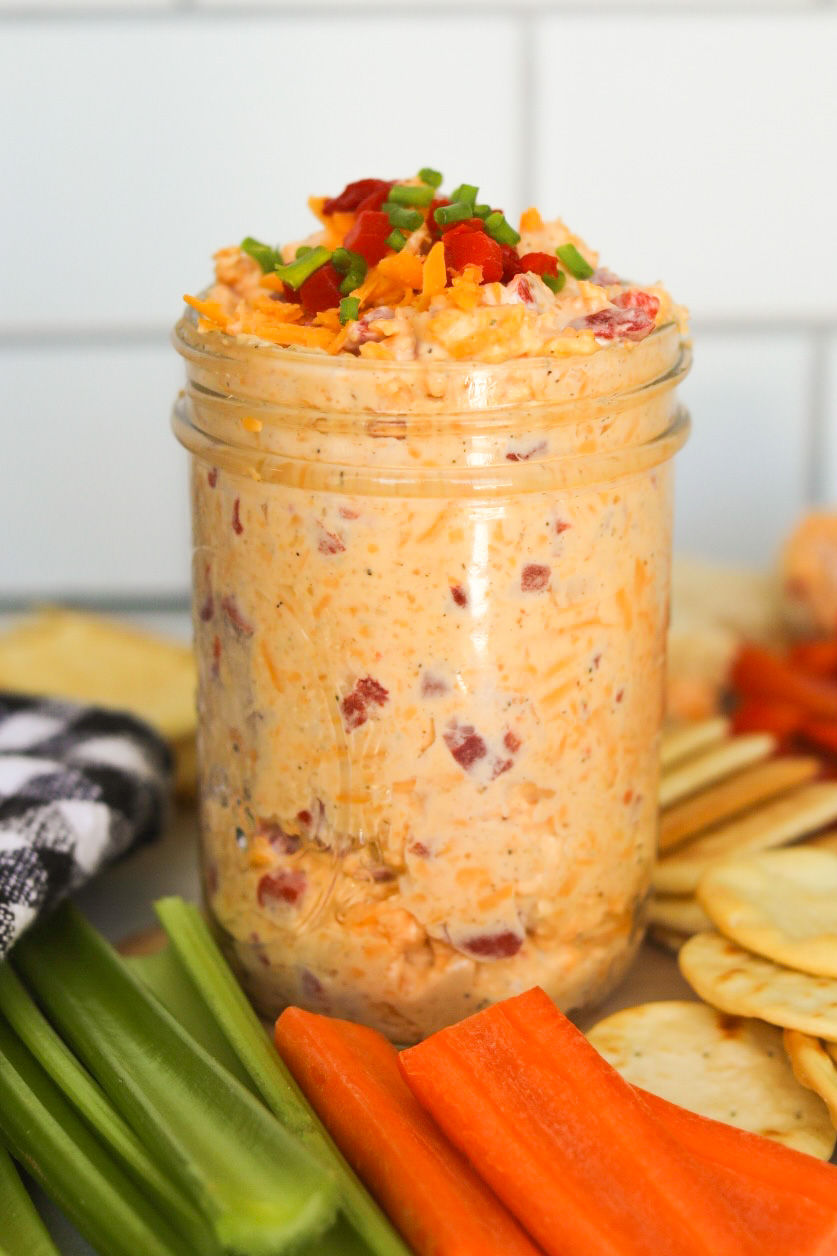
(295, 273)
(353, 266)
(428, 175)
(76, 1084)
(411, 194)
(396, 240)
(43, 1132)
(574, 262)
(402, 215)
(267, 257)
(555, 282)
(480, 211)
(261, 1191)
(349, 309)
(465, 192)
(457, 212)
(500, 230)
(198, 952)
(23, 1229)
(302, 250)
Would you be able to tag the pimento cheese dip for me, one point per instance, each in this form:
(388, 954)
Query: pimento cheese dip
(431, 487)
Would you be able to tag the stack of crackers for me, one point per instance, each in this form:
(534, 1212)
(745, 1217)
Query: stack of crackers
(724, 796)
(85, 658)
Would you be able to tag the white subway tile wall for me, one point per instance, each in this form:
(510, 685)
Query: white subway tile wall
(689, 140)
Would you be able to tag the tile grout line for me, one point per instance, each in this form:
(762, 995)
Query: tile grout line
(816, 469)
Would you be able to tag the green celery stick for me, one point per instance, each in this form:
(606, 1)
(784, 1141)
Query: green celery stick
(22, 1231)
(77, 1086)
(189, 935)
(166, 977)
(261, 1191)
(55, 1146)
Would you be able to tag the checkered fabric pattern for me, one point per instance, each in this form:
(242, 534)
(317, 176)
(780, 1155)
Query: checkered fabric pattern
(79, 785)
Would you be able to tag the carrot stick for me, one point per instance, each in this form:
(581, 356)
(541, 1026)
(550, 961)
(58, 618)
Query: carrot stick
(761, 715)
(564, 1141)
(350, 1075)
(758, 672)
(817, 658)
(773, 1166)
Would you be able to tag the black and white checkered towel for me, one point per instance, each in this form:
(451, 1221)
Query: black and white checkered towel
(79, 785)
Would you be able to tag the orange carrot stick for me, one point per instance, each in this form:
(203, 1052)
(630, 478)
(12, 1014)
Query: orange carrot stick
(351, 1077)
(565, 1142)
(818, 658)
(773, 1166)
(761, 673)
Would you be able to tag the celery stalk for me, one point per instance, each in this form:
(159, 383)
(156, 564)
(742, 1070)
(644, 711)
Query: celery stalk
(77, 1086)
(260, 1190)
(166, 977)
(23, 1230)
(189, 935)
(53, 1144)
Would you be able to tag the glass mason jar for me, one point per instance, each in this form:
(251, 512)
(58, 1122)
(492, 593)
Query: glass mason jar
(430, 609)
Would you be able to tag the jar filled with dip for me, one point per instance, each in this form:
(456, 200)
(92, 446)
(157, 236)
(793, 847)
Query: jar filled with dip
(432, 534)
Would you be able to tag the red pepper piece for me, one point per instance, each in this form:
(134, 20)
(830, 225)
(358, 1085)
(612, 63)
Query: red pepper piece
(375, 199)
(511, 262)
(634, 300)
(354, 194)
(539, 263)
(321, 291)
(469, 247)
(368, 236)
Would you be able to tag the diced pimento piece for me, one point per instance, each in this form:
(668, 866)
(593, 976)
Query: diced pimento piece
(535, 577)
(620, 693)
(329, 542)
(539, 263)
(372, 690)
(604, 278)
(466, 246)
(272, 830)
(512, 742)
(459, 595)
(493, 945)
(516, 455)
(230, 608)
(207, 609)
(216, 657)
(310, 985)
(511, 262)
(432, 686)
(346, 512)
(354, 194)
(286, 885)
(212, 476)
(237, 525)
(353, 710)
(499, 766)
(321, 291)
(561, 525)
(419, 850)
(465, 744)
(636, 300)
(520, 287)
(608, 324)
(368, 236)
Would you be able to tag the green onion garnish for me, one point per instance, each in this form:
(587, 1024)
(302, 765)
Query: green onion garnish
(402, 216)
(224, 999)
(457, 212)
(261, 1191)
(349, 309)
(352, 266)
(411, 194)
(480, 211)
(428, 175)
(295, 273)
(574, 262)
(500, 230)
(23, 1229)
(555, 282)
(465, 192)
(396, 240)
(302, 250)
(267, 257)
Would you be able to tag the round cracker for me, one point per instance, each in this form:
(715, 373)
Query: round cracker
(778, 903)
(742, 984)
(725, 1067)
(813, 1067)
